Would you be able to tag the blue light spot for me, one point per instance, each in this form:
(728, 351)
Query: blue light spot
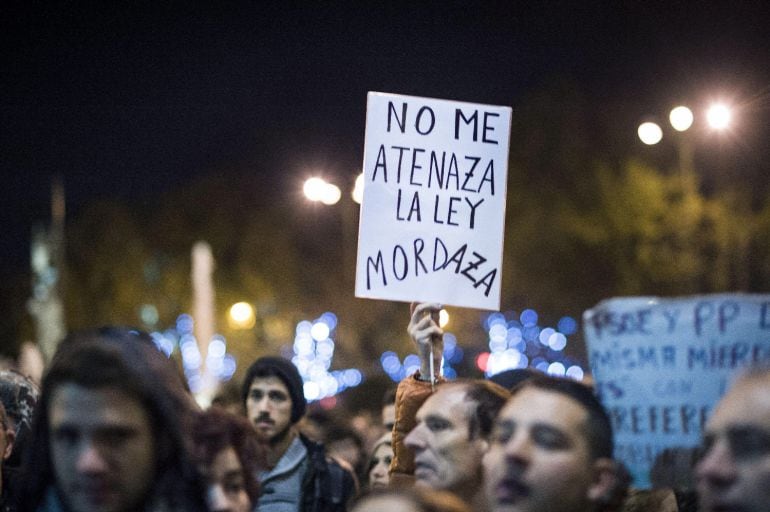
(557, 341)
(217, 348)
(567, 325)
(412, 360)
(556, 369)
(575, 372)
(493, 319)
(545, 334)
(531, 332)
(329, 319)
(304, 327)
(391, 364)
(184, 324)
(457, 356)
(528, 317)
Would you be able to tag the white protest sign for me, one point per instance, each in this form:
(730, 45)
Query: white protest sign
(433, 211)
(660, 366)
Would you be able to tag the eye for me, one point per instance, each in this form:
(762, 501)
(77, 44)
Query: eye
(388, 460)
(748, 442)
(66, 436)
(256, 394)
(549, 438)
(277, 396)
(502, 434)
(437, 424)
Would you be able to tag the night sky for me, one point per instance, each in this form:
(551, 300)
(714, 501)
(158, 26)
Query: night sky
(133, 101)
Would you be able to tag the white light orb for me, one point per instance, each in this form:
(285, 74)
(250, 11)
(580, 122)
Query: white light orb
(650, 133)
(314, 189)
(358, 189)
(718, 116)
(681, 118)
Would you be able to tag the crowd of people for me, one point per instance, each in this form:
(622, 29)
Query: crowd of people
(113, 428)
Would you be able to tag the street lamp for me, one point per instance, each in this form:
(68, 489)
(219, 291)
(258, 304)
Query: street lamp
(718, 116)
(242, 315)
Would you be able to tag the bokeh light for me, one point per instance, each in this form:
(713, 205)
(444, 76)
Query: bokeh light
(718, 116)
(358, 189)
(681, 118)
(650, 133)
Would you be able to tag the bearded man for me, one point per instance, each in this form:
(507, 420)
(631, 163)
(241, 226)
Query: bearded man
(298, 474)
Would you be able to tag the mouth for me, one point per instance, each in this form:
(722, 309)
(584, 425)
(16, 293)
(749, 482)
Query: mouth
(511, 490)
(423, 470)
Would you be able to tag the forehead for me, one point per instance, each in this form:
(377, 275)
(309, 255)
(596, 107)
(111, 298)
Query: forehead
(225, 461)
(533, 405)
(271, 383)
(88, 407)
(448, 402)
(748, 402)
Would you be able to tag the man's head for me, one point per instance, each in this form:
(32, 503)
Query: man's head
(551, 450)
(274, 397)
(734, 472)
(227, 450)
(110, 424)
(19, 395)
(453, 426)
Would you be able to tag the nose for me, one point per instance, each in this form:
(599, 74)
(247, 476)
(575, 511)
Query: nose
(518, 449)
(415, 439)
(90, 460)
(217, 500)
(379, 470)
(717, 467)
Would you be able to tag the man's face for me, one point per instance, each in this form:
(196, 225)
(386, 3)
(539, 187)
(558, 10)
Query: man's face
(102, 448)
(268, 407)
(226, 483)
(388, 416)
(539, 459)
(445, 456)
(734, 473)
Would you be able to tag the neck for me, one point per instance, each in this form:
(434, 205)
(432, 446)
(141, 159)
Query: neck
(275, 449)
(472, 492)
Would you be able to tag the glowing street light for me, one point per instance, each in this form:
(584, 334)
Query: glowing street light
(650, 133)
(718, 116)
(317, 189)
(358, 189)
(242, 315)
(681, 118)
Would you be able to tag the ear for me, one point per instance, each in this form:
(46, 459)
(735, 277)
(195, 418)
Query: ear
(606, 482)
(10, 437)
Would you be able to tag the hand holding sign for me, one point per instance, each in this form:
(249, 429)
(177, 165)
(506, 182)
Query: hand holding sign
(425, 331)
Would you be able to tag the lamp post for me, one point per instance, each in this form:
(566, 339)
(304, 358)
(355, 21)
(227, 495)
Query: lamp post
(319, 190)
(681, 119)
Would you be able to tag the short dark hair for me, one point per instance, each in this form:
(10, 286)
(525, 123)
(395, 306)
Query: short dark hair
(598, 426)
(129, 360)
(216, 429)
(486, 399)
(285, 370)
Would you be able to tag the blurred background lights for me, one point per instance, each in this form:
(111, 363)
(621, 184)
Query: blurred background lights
(650, 133)
(718, 116)
(217, 347)
(567, 325)
(681, 118)
(358, 189)
(556, 369)
(557, 341)
(523, 343)
(443, 318)
(319, 331)
(184, 324)
(317, 189)
(575, 372)
(528, 317)
(148, 314)
(313, 353)
(242, 315)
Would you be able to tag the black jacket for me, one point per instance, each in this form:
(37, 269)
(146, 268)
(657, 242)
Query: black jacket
(327, 486)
